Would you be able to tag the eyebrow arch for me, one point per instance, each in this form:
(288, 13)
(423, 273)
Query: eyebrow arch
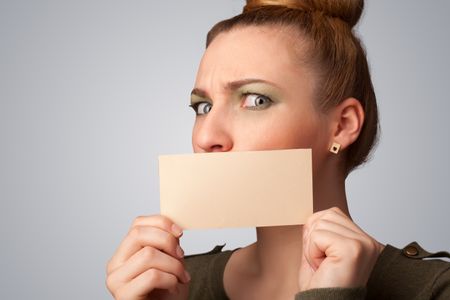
(232, 86)
(199, 93)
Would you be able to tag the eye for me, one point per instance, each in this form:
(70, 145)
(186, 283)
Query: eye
(256, 101)
(201, 108)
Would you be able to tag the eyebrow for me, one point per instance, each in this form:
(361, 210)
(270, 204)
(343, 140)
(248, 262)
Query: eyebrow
(232, 86)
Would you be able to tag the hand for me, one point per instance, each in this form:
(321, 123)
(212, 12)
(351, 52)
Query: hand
(149, 262)
(336, 252)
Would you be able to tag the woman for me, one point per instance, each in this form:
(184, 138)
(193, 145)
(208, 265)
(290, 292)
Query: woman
(284, 74)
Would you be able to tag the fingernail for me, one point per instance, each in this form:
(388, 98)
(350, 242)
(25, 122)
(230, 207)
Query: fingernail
(187, 276)
(176, 230)
(180, 252)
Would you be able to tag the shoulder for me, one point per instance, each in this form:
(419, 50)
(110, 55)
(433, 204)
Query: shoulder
(206, 272)
(410, 273)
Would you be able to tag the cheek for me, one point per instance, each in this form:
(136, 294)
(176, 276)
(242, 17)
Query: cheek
(284, 134)
(194, 137)
(273, 132)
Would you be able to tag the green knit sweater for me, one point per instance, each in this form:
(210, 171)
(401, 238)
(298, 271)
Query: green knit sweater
(406, 273)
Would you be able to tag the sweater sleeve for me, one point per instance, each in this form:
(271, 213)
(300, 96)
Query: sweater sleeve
(397, 274)
(332, 294)
(441, 287)
(409, 274)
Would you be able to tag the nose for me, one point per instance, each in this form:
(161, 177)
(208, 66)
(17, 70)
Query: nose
(212, 133)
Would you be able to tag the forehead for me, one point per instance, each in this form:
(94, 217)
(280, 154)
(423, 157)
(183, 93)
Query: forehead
(271, 53)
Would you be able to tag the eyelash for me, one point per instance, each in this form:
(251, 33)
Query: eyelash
(270, 101)
(195, 106)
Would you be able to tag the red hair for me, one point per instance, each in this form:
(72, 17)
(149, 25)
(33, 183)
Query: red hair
(335, 53)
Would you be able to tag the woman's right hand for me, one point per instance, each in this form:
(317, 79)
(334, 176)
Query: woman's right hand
(149, 262)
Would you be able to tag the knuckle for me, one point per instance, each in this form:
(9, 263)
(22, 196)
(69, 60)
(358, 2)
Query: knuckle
(336, 210)
(356, 248)
(148, 253)
(135, 232)
(153, 276)
(306, 226)
(112, 266)
(110, 284)
(109, 266)
(309, 223)
(320, 224)
(159, 221)
(164, 222)
(330, 212)
(120, 294)
(138, 220)
(311, 218)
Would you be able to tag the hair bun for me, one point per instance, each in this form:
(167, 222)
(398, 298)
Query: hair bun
(347, 10)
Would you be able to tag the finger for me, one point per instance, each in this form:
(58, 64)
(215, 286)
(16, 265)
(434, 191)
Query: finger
(308, 227)
(141, 286)
(324, 244)
(330, 211)
(142, 236)
(315, 216)
(145, 259)
(159, 221)
(335, 215)
(339, 228)
(338, 211)
(344, 226)
(311, 223)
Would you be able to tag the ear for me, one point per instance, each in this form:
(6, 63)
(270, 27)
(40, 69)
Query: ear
(347, 121)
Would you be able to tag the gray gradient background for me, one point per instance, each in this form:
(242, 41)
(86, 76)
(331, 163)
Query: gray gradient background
(91, 92)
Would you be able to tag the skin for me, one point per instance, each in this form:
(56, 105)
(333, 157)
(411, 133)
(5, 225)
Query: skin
(256, 95)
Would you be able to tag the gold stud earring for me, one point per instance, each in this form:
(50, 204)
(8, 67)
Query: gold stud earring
(335, 148)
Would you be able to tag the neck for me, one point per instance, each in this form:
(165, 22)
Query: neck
(278, 251)
(331, 195)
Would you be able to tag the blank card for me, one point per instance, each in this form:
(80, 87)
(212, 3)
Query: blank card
(237, 189)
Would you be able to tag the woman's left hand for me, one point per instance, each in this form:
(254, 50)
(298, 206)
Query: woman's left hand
(336, 252)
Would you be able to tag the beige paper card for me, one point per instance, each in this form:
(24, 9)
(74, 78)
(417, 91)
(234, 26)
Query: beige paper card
(237, 189)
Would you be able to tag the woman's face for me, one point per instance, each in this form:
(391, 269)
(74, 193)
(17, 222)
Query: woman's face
(251, 93)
